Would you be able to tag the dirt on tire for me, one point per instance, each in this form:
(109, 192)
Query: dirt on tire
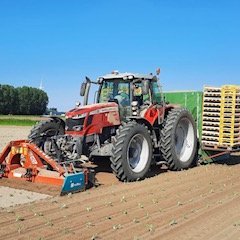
(199, 203)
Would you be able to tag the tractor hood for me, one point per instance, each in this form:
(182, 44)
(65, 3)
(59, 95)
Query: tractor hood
(92, 109)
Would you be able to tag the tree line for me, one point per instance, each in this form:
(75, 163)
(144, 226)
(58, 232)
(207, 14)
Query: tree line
(22, 100)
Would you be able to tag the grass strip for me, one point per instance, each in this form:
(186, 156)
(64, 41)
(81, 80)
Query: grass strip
(17, 122)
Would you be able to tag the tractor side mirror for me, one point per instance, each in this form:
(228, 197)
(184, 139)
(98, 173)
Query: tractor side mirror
(145, 87)
(84, 86)
(83, 89)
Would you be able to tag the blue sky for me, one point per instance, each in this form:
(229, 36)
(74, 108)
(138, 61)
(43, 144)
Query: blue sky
(195, 43)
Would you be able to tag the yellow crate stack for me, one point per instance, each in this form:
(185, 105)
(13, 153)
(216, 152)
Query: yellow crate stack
(230, 116)
(221, 117)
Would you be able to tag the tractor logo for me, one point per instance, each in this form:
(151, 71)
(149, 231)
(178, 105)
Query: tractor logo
(72, 185)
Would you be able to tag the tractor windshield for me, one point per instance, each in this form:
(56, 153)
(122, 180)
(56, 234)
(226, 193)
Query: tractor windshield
(118, 90)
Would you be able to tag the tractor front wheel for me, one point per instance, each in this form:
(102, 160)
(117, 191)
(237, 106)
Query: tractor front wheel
(44, 130)
(131, 152)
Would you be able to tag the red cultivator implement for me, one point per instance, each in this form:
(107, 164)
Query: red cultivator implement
(24, 160)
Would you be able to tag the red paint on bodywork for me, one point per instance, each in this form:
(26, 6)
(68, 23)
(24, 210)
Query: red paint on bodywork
(151, 114)
(89, 108)
(156, 111)
(102, 115)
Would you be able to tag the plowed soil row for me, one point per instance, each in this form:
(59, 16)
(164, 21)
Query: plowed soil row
(201, 203)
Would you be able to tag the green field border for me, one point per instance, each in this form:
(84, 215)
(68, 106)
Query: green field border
(19, 120)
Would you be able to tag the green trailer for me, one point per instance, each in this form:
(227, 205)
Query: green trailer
(192, 100)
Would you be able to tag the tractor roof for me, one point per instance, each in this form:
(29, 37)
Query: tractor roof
(127, 76)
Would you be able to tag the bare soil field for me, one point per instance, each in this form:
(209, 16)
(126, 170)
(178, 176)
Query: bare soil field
(201, 203)
(9, 133)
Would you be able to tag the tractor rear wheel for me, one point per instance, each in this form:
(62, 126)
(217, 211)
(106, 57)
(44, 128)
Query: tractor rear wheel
(42, 131)
(131, 152)
(178, 141)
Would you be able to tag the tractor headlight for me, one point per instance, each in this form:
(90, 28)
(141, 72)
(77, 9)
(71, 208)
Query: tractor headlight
(77, 104)
(79, 116)
(130, 77)
(134, 103)
(135, 108)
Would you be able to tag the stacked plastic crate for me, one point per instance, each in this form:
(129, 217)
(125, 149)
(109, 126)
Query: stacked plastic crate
(221, 118)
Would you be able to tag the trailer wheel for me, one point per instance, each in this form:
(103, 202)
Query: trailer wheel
(131, 152)
(178, 141)
(42, 131)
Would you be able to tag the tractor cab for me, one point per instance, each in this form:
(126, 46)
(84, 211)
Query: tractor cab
(132, 92)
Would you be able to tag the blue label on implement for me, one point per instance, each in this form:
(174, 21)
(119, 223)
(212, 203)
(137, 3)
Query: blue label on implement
(73, 183)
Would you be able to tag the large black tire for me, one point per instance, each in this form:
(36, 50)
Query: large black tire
(44, 130)
(178, 141)
(132, 152)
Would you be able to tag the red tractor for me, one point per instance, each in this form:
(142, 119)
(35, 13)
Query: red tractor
(130, 123)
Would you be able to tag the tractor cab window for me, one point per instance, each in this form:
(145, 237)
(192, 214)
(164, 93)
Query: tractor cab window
(138, 95)
(156, 93)
(106, 92)
(115, 90)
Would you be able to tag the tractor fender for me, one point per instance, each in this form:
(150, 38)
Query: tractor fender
(143, 121)
(169, 107)
(58, 120)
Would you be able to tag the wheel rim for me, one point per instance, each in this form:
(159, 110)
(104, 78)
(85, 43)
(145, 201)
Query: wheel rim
(184, 139)
(137, 153)
(47, 143)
